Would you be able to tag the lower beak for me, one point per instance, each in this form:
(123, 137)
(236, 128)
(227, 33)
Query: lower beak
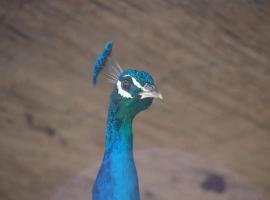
(150, 92)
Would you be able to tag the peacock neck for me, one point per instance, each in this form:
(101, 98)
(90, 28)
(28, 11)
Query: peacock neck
(117, 178)
(119, 136)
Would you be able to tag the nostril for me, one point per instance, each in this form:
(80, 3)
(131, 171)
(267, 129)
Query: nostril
(149, 87)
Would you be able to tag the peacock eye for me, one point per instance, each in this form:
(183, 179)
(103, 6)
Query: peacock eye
(126, 83)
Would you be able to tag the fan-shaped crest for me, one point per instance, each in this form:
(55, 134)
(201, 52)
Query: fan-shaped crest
(106, 63)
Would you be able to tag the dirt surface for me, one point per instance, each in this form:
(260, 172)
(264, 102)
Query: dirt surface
(186, 177)
(210, 60)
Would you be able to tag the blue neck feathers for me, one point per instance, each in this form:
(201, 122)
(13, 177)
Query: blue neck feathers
(117, 178)
(118, 132)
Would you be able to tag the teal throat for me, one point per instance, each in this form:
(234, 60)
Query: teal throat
(117, 177)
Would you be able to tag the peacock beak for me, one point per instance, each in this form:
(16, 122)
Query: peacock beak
(150, 91)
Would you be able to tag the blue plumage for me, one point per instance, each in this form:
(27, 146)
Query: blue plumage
(143, 76)
(101, 61)
(134, 91)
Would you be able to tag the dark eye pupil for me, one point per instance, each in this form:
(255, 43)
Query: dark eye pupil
(126, 83)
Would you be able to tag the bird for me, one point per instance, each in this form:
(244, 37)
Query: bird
(133, 91)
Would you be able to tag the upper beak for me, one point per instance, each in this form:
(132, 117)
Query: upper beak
(150, 91)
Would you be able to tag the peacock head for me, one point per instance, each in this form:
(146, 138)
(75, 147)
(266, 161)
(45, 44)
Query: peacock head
(133, 91)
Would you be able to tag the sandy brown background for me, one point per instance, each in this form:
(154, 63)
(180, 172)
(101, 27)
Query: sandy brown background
(211, 60)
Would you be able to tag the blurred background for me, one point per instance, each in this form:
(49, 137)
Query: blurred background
(210, 59)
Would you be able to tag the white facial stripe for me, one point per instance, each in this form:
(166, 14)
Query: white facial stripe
(121, 91)
(135, 82)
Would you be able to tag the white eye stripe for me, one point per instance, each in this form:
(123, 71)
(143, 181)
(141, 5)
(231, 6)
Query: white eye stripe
(143, 88)
(135, 82)
(126, 94)
(121, 91)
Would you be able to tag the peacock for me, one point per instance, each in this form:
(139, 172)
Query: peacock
(133, 91)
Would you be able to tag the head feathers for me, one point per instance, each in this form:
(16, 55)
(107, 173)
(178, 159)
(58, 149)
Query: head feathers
(106, 63)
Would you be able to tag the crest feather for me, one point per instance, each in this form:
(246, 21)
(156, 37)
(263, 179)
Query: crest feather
(106, 63)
